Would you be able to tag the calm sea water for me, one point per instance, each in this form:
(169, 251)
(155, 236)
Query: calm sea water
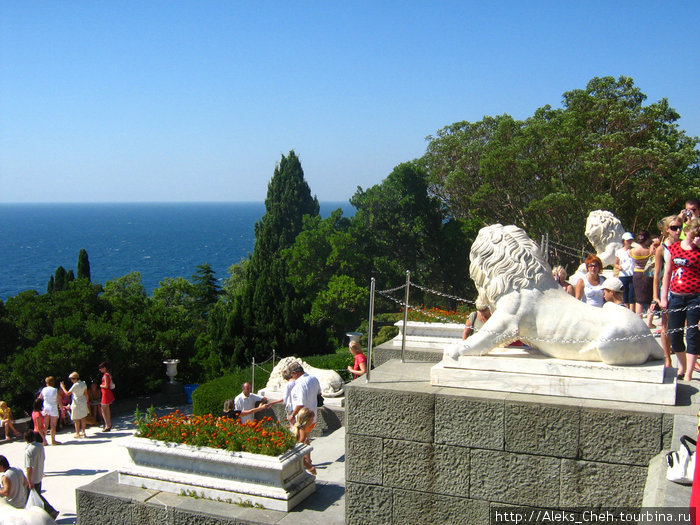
(157, 240)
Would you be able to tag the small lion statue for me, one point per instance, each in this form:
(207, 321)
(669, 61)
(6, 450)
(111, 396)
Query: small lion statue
(332, 385)
(512, 276)
(604, 230)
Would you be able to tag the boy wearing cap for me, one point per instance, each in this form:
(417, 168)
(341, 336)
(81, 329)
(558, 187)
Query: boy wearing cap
(612, 291)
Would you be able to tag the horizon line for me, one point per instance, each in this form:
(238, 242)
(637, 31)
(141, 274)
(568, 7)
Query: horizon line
(149, 202)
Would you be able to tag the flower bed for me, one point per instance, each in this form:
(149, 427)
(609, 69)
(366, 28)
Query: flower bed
(265, 436)
(220, 459)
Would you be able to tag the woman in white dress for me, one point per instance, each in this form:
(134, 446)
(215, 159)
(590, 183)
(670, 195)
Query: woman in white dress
(49, 394)
(79, 403)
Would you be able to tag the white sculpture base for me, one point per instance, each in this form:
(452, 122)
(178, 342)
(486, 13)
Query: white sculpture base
(529, 372)
(428, 335)
(273, 482)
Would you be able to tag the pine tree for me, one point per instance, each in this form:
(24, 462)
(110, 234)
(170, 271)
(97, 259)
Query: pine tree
(269, 313)
(83, 265)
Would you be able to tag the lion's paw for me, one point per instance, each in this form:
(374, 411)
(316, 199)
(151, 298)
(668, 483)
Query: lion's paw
(452, 352)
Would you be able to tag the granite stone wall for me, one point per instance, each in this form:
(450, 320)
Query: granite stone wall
(422, 454)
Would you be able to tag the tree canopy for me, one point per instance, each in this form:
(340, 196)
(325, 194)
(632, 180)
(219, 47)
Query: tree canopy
(604, 149)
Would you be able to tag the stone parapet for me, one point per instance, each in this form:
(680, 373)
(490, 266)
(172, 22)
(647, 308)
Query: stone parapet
(417, 453)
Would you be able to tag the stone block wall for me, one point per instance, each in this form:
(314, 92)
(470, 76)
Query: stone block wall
(422, 454)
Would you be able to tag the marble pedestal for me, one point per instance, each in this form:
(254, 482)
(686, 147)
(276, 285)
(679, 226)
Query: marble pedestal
(272, 482)
(428, 335)
(529, 372)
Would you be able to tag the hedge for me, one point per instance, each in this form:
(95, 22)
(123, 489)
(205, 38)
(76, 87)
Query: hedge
(209, 397)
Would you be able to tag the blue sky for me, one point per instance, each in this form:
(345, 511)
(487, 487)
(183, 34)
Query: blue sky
(126, 101)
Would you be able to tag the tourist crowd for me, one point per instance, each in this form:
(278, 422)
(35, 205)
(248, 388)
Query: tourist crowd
(52, 408)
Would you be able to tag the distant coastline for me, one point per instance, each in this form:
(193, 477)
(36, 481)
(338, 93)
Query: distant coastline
(157, 239)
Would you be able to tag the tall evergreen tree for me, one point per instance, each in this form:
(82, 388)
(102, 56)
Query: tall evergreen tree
(51, 286)
(83, 265)
(206, 288)
(268, 312)
(59, 279)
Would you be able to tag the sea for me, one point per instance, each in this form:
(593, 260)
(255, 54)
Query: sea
(158, 240)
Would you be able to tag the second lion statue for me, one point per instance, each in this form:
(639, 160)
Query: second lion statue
(513, 278)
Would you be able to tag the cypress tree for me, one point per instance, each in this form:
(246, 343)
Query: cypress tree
(269, 313)
(206, 288)
(51, 286)
(83, 265)
(59, 279)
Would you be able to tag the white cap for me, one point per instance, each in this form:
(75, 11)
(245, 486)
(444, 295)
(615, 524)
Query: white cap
(627, 236)
(613, 283)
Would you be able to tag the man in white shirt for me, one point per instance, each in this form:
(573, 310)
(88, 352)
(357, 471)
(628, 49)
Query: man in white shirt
(34, 457)
(305, 391)
(246, 401)
(13, 484)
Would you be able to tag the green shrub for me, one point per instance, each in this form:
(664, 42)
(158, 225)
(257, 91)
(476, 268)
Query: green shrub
(209, 397)
(338, 362)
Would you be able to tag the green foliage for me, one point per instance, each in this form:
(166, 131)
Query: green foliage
(234, 284)
(206, 289)
(268, 313)
(83, 265)
(60, 279)
(209, 397)
(603, 150)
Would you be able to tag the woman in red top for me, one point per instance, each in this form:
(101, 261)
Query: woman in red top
(107, 396)
(680, 292)
(360, 366)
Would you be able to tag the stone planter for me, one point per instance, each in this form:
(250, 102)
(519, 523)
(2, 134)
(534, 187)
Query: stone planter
(273, 482)
(429, 335)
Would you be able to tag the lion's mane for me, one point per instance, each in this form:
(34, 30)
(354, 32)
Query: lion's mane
(602, 228)
(504, 258)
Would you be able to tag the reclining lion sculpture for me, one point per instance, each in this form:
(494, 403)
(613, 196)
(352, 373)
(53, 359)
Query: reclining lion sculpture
(511, 275)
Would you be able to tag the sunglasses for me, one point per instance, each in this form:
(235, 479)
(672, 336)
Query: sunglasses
(593, 265)
(674, 228)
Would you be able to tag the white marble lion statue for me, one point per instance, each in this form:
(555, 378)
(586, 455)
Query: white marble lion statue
(332, 385)
(31, 516)
(604, 230)
(512, 276)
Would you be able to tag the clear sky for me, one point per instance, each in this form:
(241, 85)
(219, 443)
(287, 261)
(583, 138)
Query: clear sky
(131, 101)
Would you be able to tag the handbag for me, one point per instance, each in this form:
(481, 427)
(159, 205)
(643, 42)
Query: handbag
(681, 463)
(649, 267)
(34, 500)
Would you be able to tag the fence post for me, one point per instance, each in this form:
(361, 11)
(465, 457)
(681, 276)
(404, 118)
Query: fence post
(405, 314)
(252, 373)
(371, 328)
